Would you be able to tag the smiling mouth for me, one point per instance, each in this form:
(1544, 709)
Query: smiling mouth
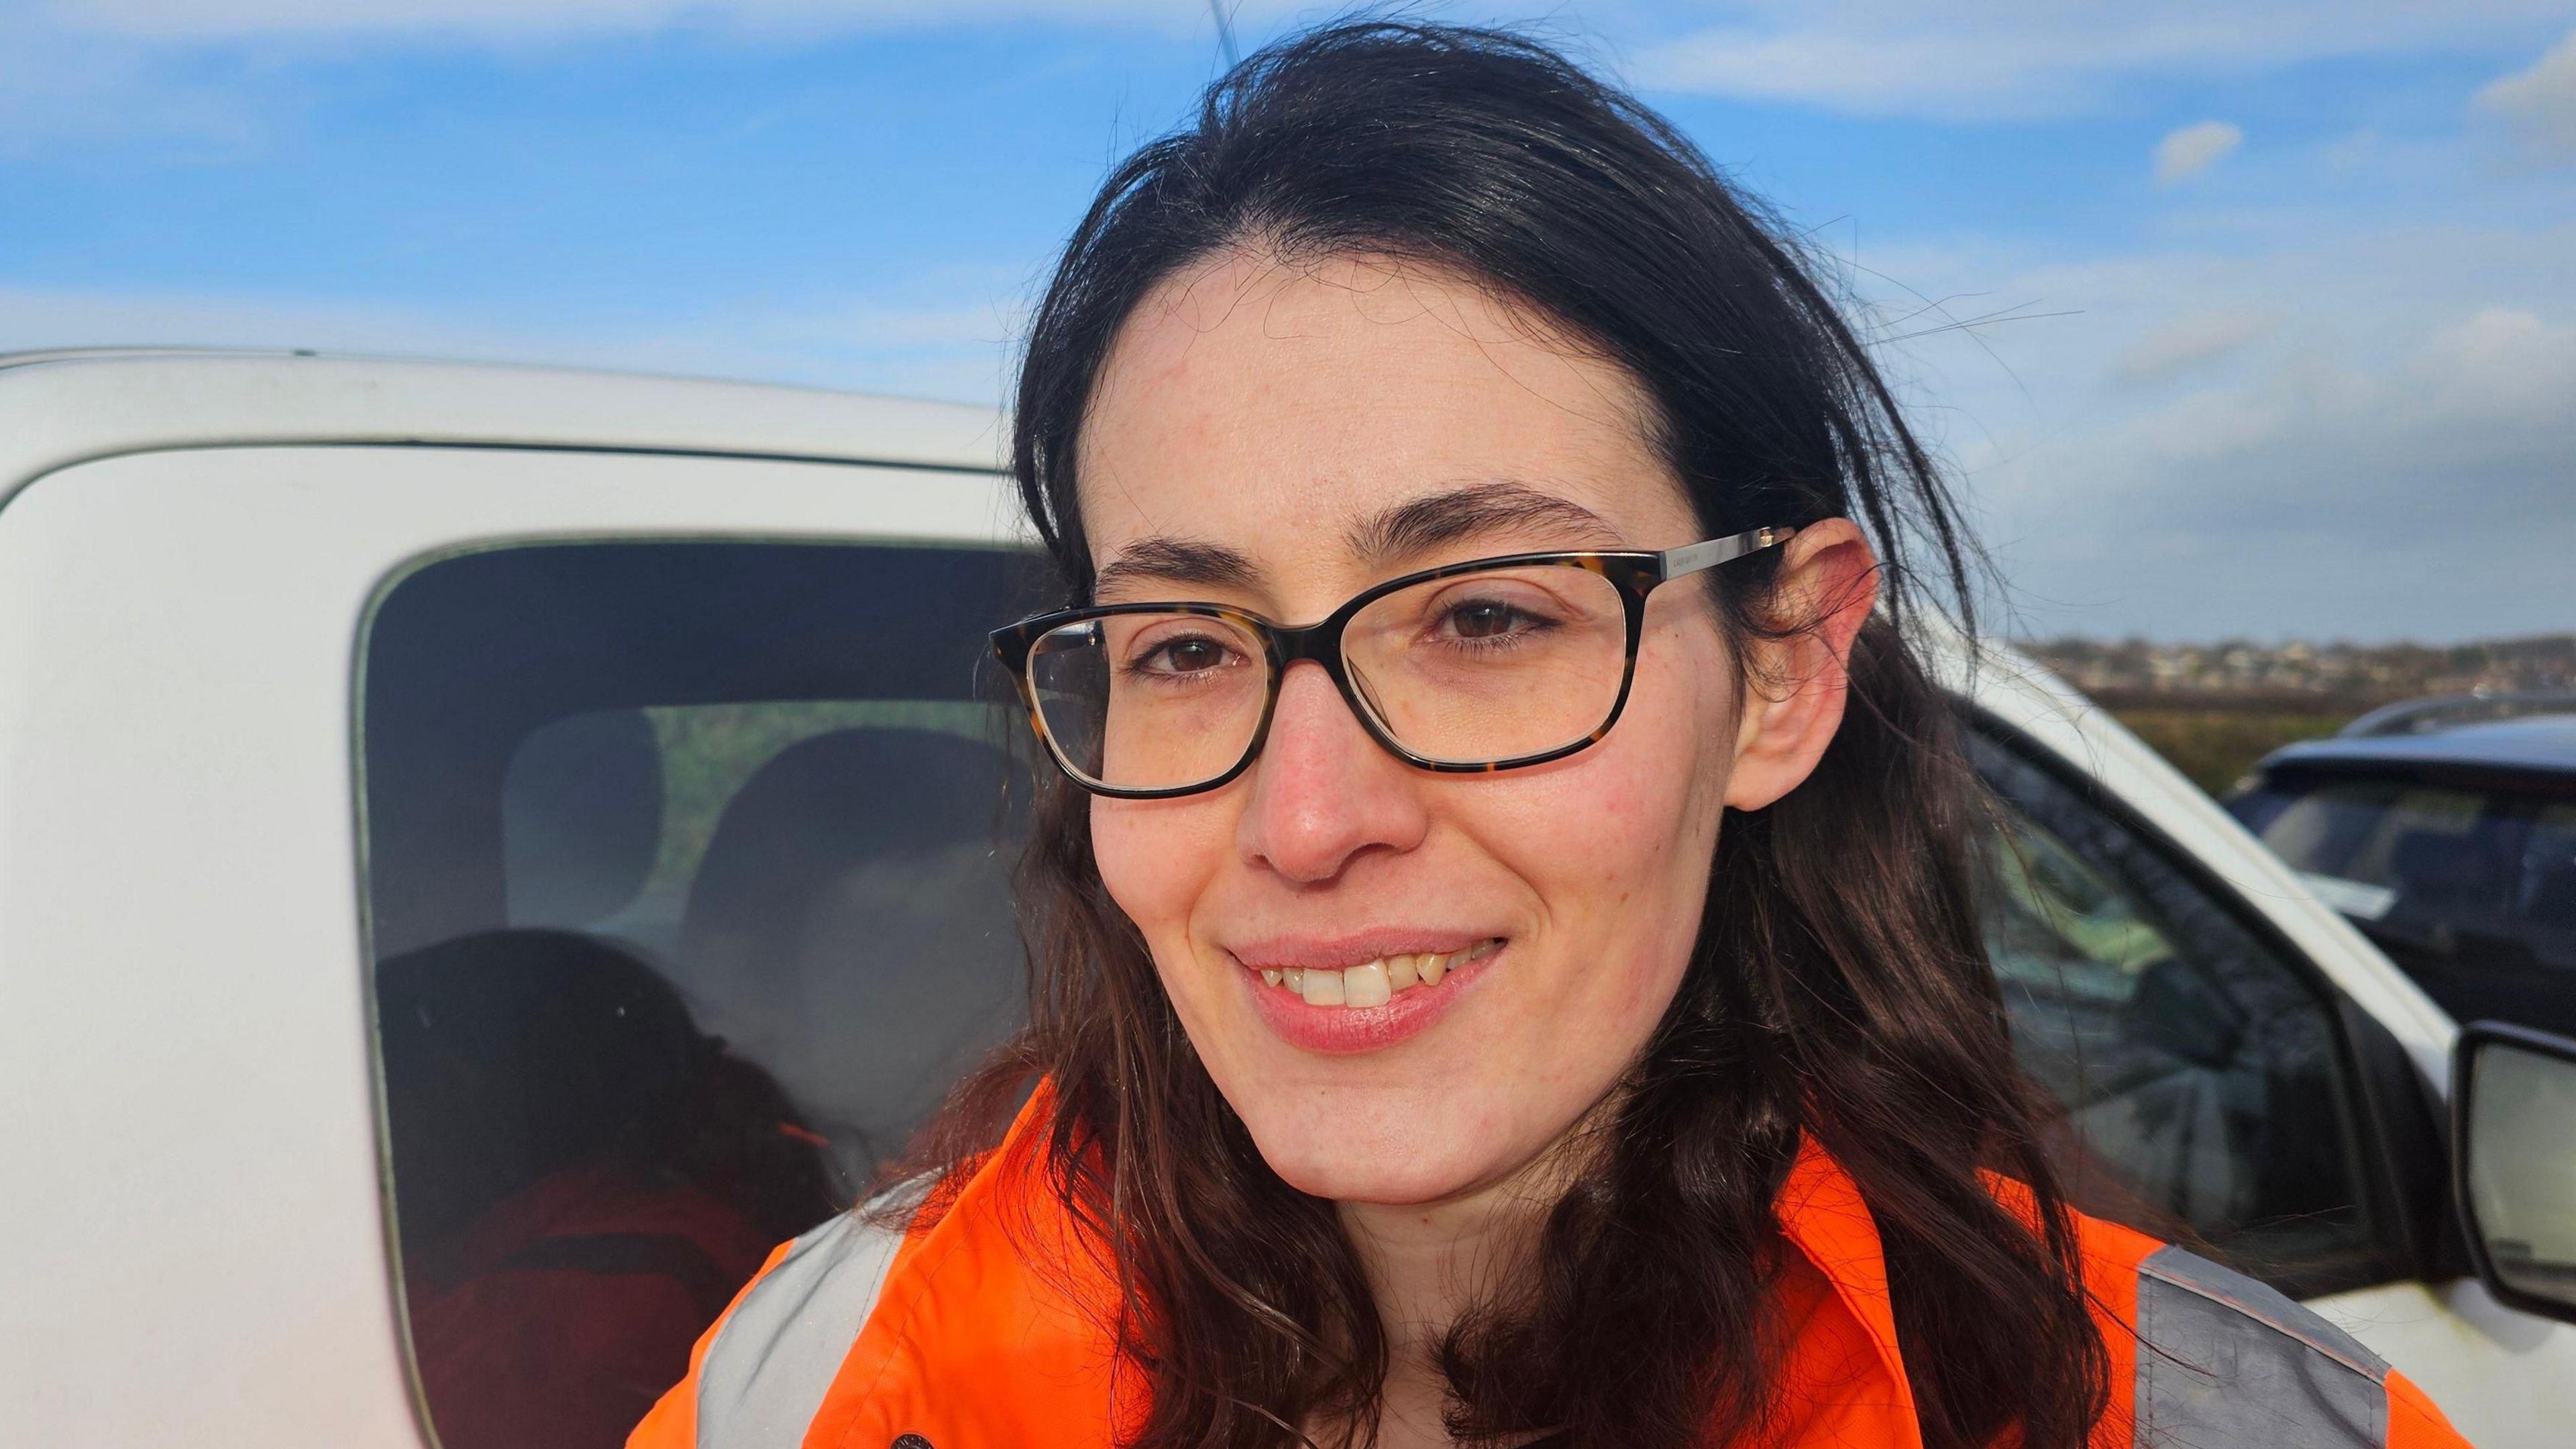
(1373, 983)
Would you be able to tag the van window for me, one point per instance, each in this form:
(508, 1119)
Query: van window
(687, 881)
(2469, 887)
(2203, 1074)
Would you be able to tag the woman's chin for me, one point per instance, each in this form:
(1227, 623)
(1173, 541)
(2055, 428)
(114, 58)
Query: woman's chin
(1391, 1164)
(1385, 1185)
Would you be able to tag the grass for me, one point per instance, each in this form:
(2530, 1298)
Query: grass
(2215, 747)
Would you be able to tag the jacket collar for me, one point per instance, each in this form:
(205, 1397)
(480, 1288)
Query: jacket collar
(953, 1311)
(1821, 1211)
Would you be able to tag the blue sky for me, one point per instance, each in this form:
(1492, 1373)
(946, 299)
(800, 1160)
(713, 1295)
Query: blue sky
(2283, 297)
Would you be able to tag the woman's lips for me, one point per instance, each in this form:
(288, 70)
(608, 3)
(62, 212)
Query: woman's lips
(1375, 1003)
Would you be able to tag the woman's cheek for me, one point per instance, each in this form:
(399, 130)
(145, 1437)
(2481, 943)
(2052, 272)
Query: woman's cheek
(1616, 827)
(1627, 859)
(1156, 858)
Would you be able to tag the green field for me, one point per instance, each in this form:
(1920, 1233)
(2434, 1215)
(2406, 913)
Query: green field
(2215, 747)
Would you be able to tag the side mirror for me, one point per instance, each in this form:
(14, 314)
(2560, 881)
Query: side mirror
(2513, 1162)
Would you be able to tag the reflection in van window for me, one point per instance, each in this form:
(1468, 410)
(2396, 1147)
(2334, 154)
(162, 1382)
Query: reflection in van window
(2470, 888)
(688, 888)
(585, 1178)
(2202, 1073)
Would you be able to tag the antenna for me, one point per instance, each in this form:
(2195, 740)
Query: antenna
(1225, 33)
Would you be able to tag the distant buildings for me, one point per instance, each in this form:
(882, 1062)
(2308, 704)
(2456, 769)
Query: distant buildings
(2240, 671)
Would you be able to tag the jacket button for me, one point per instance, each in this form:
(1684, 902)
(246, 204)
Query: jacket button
(909, 1441)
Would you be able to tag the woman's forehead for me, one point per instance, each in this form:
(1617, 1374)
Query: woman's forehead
(1311, 416)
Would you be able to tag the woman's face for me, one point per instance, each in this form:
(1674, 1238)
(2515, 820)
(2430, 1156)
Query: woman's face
(1255, 431)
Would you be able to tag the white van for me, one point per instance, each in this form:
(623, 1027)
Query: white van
(479, 847)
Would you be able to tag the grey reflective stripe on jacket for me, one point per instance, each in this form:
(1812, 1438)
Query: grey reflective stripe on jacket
(2226, 1363)
(2223, 1361)
(770, 1364)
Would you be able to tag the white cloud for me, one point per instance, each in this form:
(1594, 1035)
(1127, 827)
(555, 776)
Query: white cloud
(221, 73)
(2187, 344)
(2193, 149)
(2365, 433)
(917, 340)
(1872, 72)
(58, 87)
(2506, 365)
(2540, 103)
(2005, 59)
(521, 20)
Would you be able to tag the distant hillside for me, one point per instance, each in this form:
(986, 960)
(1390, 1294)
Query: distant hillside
(2367, 673)
(2214, 709)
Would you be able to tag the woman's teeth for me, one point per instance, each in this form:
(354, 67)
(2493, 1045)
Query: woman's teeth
(1371, 983)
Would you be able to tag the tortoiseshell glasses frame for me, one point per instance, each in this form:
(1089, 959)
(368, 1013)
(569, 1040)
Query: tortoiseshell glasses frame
(1637, 574)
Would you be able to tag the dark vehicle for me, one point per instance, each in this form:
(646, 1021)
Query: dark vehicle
(2446, 830)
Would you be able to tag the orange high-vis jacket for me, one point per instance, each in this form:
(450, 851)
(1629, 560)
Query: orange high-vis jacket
(944, 1337)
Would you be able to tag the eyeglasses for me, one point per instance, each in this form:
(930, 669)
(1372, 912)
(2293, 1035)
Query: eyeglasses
(1488, 665)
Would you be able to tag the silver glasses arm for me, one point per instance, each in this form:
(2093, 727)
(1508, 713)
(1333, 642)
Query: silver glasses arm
(1690, 558)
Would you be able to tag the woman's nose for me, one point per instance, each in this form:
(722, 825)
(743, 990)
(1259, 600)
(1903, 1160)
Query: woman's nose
(1323, 792)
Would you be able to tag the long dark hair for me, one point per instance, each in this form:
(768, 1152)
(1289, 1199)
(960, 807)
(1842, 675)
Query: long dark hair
(1840, 987)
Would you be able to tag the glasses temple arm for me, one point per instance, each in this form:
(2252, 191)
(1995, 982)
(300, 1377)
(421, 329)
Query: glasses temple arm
(1690, 558)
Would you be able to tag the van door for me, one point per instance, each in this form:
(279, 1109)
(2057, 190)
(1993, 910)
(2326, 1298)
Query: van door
(688, 872)
(199, 885)
(2229, 1095)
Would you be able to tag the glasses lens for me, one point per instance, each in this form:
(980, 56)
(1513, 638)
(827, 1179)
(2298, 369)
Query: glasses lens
(1150, 701)
(1492, 666)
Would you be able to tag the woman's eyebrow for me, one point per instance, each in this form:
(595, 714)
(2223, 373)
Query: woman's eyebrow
(1164, 559)
(1415, 526)
(1418, 525)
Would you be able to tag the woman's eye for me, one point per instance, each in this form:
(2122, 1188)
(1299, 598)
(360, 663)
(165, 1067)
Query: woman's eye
(1182, 656)
(1487, 619)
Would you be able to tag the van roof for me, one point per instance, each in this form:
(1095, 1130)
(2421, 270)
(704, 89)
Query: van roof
(64, 407)
(2539, 743)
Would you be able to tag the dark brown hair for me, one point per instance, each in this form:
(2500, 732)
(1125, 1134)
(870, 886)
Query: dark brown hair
(1840, 986)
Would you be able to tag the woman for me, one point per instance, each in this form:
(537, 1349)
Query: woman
(1542, 1001)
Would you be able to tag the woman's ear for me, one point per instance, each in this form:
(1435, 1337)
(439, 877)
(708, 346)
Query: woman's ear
(1796, 686)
